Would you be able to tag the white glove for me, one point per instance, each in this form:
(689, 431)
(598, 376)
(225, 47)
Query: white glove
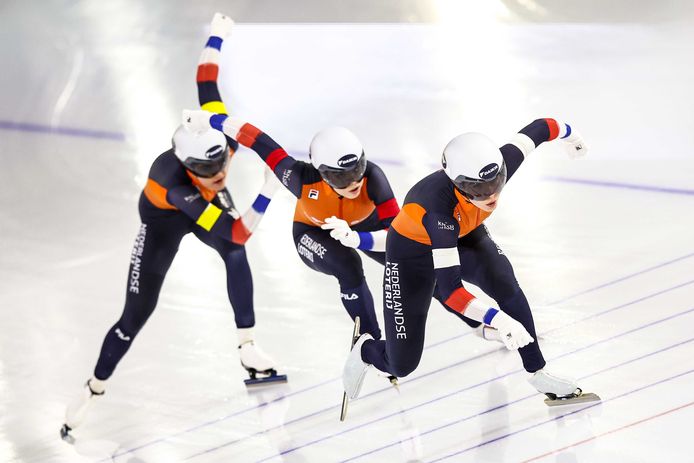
(221, 25)
(271, 185)
(512, 333)
(196, 120)
(574, 145)
(340, 230)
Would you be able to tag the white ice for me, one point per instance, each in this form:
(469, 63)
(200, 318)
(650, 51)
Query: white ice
(602, 246)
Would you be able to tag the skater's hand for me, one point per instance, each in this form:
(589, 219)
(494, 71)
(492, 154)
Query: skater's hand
(196, 120)
(221, 25)
(512, 333)
(271, 185)
(340, 230)
(574, 145)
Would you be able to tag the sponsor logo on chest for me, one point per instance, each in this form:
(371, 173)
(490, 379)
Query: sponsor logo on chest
(445, 226)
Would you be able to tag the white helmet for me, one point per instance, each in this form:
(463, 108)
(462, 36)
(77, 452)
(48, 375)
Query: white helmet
(475, 165)
(203, 153)
(338, 155)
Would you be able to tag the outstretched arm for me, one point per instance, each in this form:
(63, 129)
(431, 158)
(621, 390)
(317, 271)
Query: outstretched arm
(287, 169)
(223, 221)
(536, 133)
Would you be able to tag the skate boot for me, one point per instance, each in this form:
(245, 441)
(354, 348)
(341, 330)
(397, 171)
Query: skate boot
(488, 333)
(354, 369)
(76, 411)
(259, 365)
(560, 391)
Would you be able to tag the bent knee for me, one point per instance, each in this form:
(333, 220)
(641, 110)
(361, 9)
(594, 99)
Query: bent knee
(403, 369)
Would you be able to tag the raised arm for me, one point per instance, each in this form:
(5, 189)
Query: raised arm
(208, 65)
(534, 134)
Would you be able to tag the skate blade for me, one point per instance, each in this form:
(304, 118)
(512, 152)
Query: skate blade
(582, 398)
(269, 380)
(345, 402)
(355, 338)
(65, 434)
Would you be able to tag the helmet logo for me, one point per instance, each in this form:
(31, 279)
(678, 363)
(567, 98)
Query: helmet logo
(347, 160)
(489, 171)
(443, 159)
(214, 151)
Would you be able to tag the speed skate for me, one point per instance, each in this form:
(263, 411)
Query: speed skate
(260, 378)
(576, 397)
(560, 391)
(259, 365)
(345, 398)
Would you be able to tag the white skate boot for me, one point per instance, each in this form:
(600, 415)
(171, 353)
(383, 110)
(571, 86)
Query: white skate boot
(354, 370)
(559, 391)
(260, 366)
(76, 411)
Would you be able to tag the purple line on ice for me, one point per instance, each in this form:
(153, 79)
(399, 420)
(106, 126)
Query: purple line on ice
(69, 131)
(641, 272)
(633, 391)
(438, 428)
(467, 388)
(628, 186)
(430, 373)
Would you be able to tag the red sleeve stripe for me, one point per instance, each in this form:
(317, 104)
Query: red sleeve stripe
(239, 232)
(388, 209)
(247, 135)
(275, 157)
(553, 129)
(207, 72)
(459, 300)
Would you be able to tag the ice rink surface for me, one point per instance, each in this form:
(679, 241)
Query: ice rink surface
(91, 93)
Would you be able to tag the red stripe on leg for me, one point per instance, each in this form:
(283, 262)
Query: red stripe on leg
(459, 300)
(388, 209)
(275, 157)
(239, 232)
(207, 72)
(553, 129)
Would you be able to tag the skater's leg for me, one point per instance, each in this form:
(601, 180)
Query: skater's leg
(239, 277)
(484, 264)
(155, 247)
(240, 292)
(408, 286)
(324, 254)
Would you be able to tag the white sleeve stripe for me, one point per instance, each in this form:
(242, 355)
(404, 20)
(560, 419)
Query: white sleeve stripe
(232, 126)
(562, 128)
(476, 310)
(251, 219)
(447, 257)
(524, 143)
(379, 238)
(209, 55)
